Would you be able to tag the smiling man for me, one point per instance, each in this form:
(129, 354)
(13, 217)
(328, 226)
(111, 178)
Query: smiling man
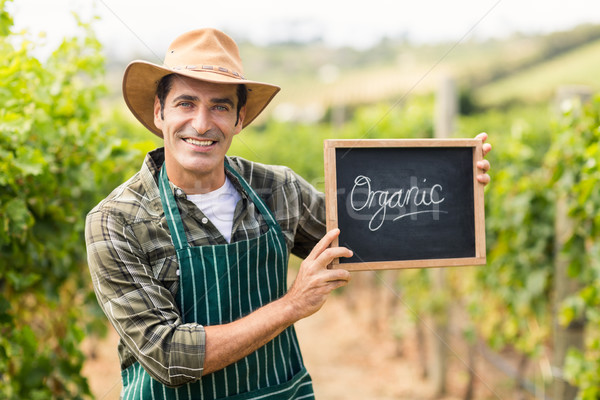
(198, 121)
(189, 257)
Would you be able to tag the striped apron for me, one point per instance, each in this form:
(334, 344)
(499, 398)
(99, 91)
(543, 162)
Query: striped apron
(222, 283)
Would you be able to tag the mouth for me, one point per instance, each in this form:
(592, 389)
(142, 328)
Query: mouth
(199, 142)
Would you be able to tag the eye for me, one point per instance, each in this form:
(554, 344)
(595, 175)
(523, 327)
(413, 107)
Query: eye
(185, 104)
(220, 107)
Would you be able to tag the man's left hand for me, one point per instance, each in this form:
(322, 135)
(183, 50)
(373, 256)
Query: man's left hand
(484, 165)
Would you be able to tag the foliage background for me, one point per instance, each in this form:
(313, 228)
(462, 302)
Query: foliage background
(58, 158)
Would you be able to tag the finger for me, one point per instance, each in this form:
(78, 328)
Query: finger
(323, 244)
(337, 284)
(328, 255)
(482, 136)
(486, 148)
(339, 275)
(483, 178)
(483, 165)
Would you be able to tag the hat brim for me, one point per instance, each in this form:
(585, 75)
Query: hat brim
(142, 77)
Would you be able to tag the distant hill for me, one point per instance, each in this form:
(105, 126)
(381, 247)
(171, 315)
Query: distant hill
(494, 72)
(540, 82)
(518, 68)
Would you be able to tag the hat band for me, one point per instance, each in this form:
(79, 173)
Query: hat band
(220, 70)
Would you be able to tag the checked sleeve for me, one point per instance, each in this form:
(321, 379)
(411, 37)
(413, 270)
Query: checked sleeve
(139, 305)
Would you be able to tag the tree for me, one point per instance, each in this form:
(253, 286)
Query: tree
(58, 158)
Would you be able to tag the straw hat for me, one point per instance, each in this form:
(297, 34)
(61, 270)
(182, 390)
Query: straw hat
(204, 54)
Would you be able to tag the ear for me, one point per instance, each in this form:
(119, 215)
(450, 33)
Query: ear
(240, 123)
(157, 118)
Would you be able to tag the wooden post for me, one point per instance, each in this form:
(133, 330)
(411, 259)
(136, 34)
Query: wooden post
(420, 332)
(446, 110)
(572, 336)
(338, 115)
(440, 340)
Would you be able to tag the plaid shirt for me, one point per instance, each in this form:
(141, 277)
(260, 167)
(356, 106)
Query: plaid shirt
(134, 267)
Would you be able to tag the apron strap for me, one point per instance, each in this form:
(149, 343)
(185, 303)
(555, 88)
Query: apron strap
(174, 217)
(171, 211)
(258, 202)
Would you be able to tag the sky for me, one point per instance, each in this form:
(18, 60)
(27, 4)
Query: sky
(147, 27)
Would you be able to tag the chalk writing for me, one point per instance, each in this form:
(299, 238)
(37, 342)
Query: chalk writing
(406, 202)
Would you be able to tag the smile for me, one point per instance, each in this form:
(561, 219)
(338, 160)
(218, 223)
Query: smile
(197, 142)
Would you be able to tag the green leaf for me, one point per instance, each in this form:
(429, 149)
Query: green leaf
(6, 21)
(16, 218)
(30, 161)
(23, 280)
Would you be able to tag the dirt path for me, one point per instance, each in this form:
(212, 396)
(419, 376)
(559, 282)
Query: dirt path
(350, 359)
(350, 350)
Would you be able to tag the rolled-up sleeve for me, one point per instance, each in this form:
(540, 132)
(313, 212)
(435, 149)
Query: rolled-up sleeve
(139, 306)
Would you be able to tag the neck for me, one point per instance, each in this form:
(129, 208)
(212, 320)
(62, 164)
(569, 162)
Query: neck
(194, 182)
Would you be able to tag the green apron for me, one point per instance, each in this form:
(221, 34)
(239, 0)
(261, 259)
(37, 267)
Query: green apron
(222, 283)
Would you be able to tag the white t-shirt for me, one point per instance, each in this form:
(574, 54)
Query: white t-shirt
(219, 206)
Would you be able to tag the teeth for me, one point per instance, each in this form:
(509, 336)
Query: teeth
(198, 142)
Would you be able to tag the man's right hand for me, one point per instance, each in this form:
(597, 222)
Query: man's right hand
(228, 343)
(315, 281)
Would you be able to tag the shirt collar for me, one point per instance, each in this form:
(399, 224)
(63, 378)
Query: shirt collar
(151, 170)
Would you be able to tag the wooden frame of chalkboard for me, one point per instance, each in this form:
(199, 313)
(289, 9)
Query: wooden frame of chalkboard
(405, 203)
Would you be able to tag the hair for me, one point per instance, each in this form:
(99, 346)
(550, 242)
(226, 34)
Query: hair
(166, 83)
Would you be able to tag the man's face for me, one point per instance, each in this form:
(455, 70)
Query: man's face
(198, 126)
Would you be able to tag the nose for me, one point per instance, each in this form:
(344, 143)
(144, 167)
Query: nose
(201, 120)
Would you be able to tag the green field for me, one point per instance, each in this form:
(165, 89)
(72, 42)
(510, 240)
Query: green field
(540, 82)
(519, 68)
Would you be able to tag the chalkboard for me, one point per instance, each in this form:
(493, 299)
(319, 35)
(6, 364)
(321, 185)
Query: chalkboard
(405, 203)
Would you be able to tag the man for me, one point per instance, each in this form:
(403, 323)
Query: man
(189, 257)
